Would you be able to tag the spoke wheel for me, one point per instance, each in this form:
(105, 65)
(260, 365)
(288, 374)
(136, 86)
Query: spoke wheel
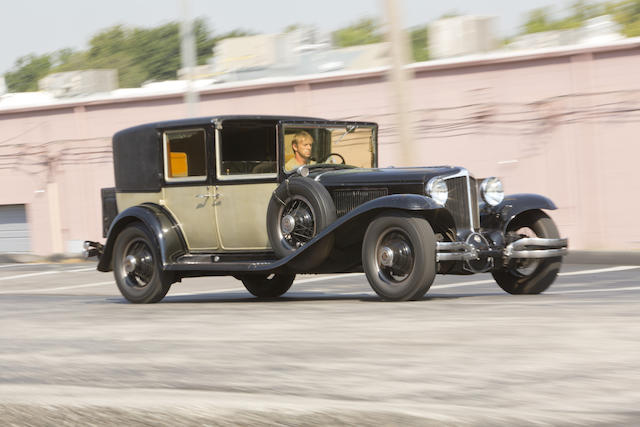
(137, 268)
(299, 209)
(399, 256)
(297, 222)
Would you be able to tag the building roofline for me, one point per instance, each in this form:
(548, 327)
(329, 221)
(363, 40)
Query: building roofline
(500, 57)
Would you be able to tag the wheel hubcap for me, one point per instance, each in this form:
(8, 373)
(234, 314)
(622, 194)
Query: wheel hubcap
(130, 263)
(288, 223)
(385, 257)
(394, 257)
(137, 264)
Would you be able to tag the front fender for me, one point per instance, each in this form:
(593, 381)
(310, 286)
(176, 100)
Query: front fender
(365, 213)
(405, 202)
(499, 216)
(159, 222)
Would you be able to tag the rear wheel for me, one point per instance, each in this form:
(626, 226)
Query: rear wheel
(529, 276)
(268, 285)
(137, 268)
(399, 256)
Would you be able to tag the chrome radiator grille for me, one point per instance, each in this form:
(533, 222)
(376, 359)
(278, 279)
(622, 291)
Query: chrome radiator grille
(347, 200)
(460, 188)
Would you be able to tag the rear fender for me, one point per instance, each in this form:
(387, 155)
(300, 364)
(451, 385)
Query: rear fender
(159, 222)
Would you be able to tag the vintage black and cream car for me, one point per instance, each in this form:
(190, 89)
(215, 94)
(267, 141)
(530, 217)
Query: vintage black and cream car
(263, 198)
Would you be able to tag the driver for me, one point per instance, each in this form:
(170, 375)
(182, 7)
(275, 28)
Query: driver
(301, 146)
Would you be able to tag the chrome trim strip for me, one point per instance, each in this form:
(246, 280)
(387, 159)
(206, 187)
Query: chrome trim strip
(471, 222)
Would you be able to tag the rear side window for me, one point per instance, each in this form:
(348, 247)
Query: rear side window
(246, 150)
(185, 155)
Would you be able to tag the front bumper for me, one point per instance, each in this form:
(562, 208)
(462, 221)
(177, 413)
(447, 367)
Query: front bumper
(529, 247)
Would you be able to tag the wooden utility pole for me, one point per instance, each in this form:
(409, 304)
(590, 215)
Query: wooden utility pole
(188, 55)
(399, 77)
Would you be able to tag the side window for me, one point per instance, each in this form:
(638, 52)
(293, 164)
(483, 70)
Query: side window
(246, 150)
(185, 155)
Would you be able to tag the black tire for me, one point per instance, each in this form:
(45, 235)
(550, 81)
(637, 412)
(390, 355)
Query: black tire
(268, 286)
(530, 276)
(413, 247)
(137, 268)
(310, 206)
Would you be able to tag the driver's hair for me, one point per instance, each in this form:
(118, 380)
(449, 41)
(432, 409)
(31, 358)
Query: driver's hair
(300, 136)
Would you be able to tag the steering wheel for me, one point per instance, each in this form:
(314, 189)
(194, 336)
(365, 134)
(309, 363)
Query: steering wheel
(334, 162)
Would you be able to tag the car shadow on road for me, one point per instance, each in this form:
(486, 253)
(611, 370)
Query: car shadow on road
(244, 298)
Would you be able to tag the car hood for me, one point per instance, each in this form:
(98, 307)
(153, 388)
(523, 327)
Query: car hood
(380, 176)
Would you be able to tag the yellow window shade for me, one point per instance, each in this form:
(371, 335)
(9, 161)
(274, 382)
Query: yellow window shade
(178, 165)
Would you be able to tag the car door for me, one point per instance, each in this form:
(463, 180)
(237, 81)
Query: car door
(246, 176)
(188, 193)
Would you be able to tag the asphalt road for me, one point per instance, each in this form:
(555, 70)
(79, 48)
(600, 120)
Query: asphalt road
(73, 351)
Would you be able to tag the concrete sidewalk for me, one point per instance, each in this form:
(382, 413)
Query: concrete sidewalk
(574, 257)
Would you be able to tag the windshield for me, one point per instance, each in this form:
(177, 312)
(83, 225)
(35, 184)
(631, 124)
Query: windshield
(348, 144)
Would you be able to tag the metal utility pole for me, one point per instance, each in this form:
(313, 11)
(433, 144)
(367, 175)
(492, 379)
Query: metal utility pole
(188, 55)
(399, 77)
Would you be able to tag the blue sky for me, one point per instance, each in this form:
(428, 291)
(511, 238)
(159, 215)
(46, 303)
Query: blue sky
(41, 26)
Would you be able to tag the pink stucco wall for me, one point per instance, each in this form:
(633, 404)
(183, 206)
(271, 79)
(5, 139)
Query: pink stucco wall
(560, 123)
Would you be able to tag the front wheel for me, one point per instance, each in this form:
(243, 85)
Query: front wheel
(399, 256)
(137, 268)
(268, 286)
(529, 276)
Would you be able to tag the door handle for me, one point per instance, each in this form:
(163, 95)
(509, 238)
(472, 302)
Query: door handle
(215, 196)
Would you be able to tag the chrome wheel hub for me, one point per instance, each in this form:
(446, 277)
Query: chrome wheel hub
(395, 257)
(287, 224)
(385, 256)
(130, 263)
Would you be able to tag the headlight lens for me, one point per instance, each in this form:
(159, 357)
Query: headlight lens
(437, 189)
(491, 191)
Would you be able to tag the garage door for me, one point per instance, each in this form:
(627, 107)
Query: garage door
(14, 230)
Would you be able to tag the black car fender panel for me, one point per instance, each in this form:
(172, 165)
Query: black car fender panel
(160, 223)
(499, 216)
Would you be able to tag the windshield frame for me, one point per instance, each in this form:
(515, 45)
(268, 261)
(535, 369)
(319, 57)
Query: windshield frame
(283, 125)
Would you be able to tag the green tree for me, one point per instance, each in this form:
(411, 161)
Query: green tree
(27, 71)
(365, 31)
(157, 50)
(537, 20)
(627, 14)
(420, 43)
(204, 42)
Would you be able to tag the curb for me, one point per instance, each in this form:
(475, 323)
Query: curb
(26, 258)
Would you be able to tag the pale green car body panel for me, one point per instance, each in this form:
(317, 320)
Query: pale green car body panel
(221, 218)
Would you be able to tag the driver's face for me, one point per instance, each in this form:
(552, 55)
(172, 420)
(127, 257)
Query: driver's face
(304, 147)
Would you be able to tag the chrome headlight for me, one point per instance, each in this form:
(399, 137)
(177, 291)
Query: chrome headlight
(437, 189)
(491, 191)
